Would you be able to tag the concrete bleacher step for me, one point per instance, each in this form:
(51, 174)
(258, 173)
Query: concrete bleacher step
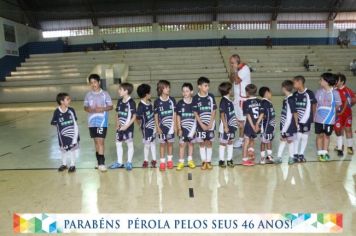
(47, 82)
(58, 76)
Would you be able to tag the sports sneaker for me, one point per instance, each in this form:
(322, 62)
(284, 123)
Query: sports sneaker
(62, 168)
(350, 151)
(321, 158)
(291, 161)
(203, 166)
(128, 166)
(115, 165)
(209, 166)
(102, 168)
(327, 157)
(248, 162)
(302, 158)
(263, 161)
(191, 164)
(230, 163)
(153, 163)
(340, 153)
(180, 166)
(269, 160)
(170, 164)
(222, 164)
(162, 166)
(296, 158)
(71, 169)
(145, 164)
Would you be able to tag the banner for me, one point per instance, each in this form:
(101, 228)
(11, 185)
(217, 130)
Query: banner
(178, 223)
(10, 45)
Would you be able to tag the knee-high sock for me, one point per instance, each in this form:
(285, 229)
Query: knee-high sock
(153, 150)
(230, 148)
(339, 140)
(73, 156)
(209, 154)
(349, 142)
(202, 151)
(119, 152)
(282, 144)
(146, 151)
(222, 153)
(291, 149)
(64, 158)
(297, 142)
(304, 143)
(130, 151)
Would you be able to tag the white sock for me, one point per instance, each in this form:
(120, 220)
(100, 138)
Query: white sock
(209, 154)
(339, 142)
(230, 149)
(163, 160)
(181, 160)
(73, 155)
(320, 152)
(221, 152)
(153, 150)
(263, 154)
(146, 151)
(349, 142)
(269, 152)
(297, 141)
(282, 144)
(304, 143)
(64, 158)
(119, 152)
(130, 151)
(291, 149)
(202, 153)
(169, 157)
(190, 158)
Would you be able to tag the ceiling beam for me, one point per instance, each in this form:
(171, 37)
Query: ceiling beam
(334, 8)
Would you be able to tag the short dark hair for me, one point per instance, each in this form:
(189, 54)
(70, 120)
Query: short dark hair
(236, 56)
(60, 97)
(161, 85)
(188, 85)
(251, 89)
(94, 76)
(263, 91)
(224, 88)
(330, 78)
(299, 78)
(127, 86)
(203, 80)
(341, 77)
(143, 90)
(288, 85)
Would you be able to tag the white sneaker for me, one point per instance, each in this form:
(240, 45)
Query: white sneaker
(263, 161)
(102, 168)
(238, 143)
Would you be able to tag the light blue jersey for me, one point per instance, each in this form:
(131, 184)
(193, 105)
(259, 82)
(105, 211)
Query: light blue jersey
(327, 101)
(99, 99)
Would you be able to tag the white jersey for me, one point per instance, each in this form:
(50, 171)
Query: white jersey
(239, 89)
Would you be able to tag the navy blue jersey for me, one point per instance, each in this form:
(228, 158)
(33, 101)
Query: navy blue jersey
(187, 118)
(227, 107)
(165, 111)
(146, 115)
(304, 102)
(269, 116)
(251, 107)
(125, 112)
(67, 127)
(287, 119)
(204, 107)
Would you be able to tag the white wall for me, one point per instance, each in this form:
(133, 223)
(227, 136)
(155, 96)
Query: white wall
(24, 34)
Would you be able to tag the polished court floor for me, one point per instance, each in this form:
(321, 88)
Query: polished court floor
(29, 182)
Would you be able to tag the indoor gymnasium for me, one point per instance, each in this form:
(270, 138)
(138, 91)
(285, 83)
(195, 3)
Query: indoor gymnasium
(177, 117)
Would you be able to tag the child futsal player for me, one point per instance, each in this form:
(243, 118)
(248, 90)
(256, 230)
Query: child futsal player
(146, 120)
(306, 105)
(344, 117)
(228, 124)
(165, 117)
(65, 119)
(328, 102)
(289, 122)
(98, 103)
(251, 109)
(126, 116)
(204, 108)
(267, 122)
(186, 126)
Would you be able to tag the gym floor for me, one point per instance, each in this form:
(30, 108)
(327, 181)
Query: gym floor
(30, 182)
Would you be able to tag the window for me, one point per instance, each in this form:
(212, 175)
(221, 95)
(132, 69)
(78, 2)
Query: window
(67, 33)
(125, 29)
(350, 24)
(300, 25)
(242, 25)
(185, 26)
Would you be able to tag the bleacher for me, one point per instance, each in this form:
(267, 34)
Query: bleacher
(42, 76)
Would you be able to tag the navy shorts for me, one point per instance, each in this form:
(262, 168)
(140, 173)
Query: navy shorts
(98, 132)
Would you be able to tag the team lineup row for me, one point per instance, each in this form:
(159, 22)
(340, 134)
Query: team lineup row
(193, 120)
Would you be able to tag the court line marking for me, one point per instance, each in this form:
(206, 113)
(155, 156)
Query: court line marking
(8, 153)
(26, 146)
(41, 141)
